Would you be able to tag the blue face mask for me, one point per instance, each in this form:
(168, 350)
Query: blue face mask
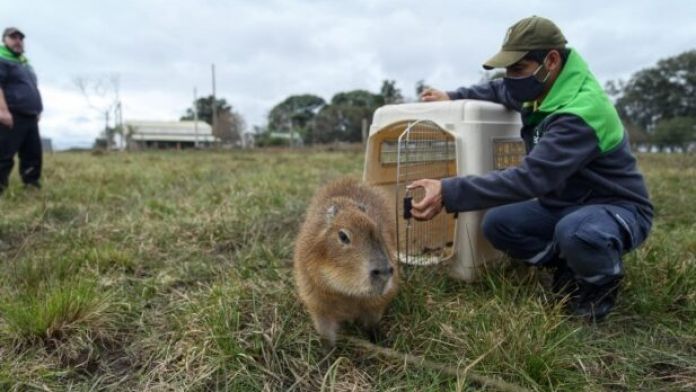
(526, 88)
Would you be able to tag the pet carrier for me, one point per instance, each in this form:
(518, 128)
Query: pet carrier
(438, 140)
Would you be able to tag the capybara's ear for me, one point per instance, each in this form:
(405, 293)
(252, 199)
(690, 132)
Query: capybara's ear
(331, 213)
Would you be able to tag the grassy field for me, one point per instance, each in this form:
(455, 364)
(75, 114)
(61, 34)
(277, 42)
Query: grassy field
(168, 271)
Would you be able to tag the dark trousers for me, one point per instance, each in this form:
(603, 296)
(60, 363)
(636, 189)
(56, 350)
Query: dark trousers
(22, 139)
(590, 239)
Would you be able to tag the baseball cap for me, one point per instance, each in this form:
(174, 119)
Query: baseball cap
(528, 34)
(10, 31)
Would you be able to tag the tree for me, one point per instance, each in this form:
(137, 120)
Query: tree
(102, 95)
(390, 93)
(296, 114)
(330, 125)
(665, 91)
(637, 136)
(204, 106)
(230, 124)
(420, 87)
(343, 118)
(676, 132)
(358, 98)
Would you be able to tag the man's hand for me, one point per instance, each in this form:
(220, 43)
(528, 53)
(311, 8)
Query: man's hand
(431, 94)
(431, 204)
(6, 118)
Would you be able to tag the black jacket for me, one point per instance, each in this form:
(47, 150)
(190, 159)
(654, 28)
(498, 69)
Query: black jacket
(19, 85)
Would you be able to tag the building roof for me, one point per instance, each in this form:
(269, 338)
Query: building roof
(170, 131)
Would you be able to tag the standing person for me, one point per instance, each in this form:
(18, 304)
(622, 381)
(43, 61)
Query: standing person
(20, 108)
(577, 202)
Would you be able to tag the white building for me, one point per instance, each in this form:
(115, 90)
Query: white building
(169, 134)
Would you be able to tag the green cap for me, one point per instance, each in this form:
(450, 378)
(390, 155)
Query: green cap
(528, 34)
(10, 31)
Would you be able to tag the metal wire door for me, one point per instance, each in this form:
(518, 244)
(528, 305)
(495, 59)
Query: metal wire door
(424, 151)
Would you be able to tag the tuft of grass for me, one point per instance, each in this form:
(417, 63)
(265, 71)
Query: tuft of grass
(50, 313)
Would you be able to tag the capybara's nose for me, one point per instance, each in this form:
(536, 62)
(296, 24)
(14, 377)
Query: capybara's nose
(382, 272)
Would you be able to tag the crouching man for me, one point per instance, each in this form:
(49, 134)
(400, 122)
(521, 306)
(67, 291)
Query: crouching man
(577, 202)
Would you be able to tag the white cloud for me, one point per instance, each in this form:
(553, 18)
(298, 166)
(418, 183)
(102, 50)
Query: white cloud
(67, 120)
(265, 51)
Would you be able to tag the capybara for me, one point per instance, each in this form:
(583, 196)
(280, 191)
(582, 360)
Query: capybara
(344, 261)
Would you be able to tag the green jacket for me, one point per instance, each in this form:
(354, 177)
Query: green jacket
(578, 151)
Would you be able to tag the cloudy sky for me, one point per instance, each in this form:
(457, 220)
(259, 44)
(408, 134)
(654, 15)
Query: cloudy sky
(266, 50)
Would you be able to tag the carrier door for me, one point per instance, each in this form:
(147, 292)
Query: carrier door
(424, 150)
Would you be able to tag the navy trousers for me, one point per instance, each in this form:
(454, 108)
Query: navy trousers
(22, 139)
(590, 239)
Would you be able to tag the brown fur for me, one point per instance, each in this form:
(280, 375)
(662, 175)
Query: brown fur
(340, 282)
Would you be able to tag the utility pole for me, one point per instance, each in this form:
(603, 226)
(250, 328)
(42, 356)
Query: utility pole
(195, 117)
(119, 124)
(109, 139)
(214, 105)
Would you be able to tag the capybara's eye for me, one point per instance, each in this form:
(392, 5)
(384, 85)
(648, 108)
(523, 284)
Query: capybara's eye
(344, 237)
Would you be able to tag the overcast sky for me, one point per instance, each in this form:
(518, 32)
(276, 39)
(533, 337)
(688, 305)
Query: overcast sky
(265, 51)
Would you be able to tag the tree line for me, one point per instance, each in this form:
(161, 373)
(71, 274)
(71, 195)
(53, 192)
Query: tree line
(657, 106)
(309, 119)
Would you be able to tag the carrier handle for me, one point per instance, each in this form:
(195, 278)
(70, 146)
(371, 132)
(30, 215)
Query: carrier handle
(408, 204)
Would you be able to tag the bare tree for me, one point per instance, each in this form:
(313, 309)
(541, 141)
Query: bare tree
(230, 126)
(102, 95)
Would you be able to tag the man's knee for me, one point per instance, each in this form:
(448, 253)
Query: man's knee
(589, 246)
(501, 227)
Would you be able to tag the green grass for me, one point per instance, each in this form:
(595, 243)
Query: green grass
(172, 271)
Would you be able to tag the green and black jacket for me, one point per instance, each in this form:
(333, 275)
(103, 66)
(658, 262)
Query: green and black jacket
(18, 84)
(577, 150)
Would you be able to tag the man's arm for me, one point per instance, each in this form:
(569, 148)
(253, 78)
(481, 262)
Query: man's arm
(5, 115)
(566, 148)
(493, 91)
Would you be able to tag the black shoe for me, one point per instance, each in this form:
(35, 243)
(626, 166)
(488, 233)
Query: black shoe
(564, 283)
(594, 302)
(32, 186)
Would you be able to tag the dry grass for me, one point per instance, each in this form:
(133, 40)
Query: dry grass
(170, 271)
